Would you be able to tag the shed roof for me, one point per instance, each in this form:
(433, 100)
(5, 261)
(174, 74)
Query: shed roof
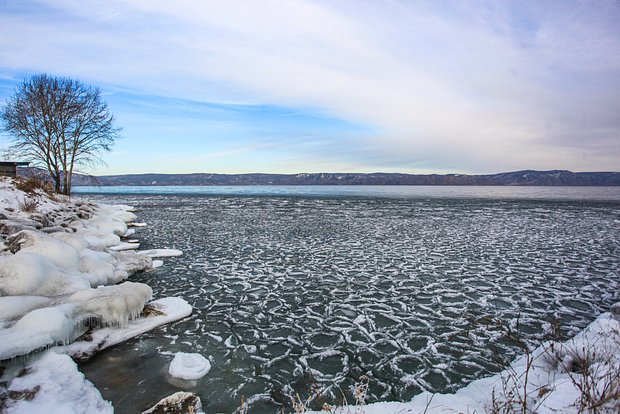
(14, 162)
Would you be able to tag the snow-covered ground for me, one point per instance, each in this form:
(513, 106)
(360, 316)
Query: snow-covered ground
(63, 271)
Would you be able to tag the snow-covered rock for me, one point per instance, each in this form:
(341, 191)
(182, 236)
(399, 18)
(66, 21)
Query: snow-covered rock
(162, 311)
(177, 403)
(63, 277)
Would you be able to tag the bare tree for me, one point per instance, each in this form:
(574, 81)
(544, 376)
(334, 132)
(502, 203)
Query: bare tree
(59, 124)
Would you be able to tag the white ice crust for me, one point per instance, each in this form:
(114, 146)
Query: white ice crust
(189, 366)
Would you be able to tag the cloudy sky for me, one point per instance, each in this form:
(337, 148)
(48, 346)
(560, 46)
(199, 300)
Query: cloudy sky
(335, 86)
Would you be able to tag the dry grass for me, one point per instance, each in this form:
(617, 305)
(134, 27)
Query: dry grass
(29, 205)
(30, 185)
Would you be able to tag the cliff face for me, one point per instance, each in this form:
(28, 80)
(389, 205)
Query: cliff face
(526, 177)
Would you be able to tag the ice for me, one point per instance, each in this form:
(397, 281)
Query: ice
(62, 254)
(600, 338)
(167, 310)
(153, 253)
(189, 366)
(14, 306)
(56, 387)
(32, 274)
(429, 277)
(125, 246)
(53, 285)
(113, 305)
(37, 329)
(157, 263)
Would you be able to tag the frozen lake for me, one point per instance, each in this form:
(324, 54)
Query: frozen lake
(303, 291)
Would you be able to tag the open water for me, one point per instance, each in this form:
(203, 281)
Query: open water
(303, 290)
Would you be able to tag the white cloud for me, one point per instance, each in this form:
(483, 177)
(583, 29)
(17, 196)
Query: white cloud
(478, 86)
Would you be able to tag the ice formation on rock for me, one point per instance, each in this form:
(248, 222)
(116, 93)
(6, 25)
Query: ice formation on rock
(189, 366)
(53, 282)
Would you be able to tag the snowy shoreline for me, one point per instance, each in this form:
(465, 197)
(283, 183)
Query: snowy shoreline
(63, 293)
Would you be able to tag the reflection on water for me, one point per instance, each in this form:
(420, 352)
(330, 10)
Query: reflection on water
(299, 293)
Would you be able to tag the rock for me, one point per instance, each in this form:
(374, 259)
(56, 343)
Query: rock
(615, 311)
(177, 403)
(54, 229)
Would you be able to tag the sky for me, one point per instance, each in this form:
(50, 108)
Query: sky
(334, 86)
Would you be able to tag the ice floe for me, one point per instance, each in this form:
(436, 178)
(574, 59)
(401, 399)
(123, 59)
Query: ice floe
(189, 366)
(153, 253)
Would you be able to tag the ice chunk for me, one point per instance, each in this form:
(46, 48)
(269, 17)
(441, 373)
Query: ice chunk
(60, 253)
(164, 311)
(125, 246)
(114, 305)
(98, 267)
(161, 253)
(157, 263)
(57, 387)
(130, 262)
(189, 366)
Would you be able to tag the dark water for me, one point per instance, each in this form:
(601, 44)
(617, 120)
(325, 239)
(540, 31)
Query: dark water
(305, 294)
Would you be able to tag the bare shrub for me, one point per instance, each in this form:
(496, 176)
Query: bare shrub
(29, 205)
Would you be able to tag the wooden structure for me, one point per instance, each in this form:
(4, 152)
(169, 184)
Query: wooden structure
(9, 168)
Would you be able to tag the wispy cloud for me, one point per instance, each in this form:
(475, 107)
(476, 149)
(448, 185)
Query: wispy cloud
(464, 86)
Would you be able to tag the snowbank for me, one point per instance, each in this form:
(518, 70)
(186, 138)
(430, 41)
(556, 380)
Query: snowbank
(53, 385)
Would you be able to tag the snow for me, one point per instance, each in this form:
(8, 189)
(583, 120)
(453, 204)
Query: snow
(60, 269)
(58, 388)
(189, 366)
(14, 306)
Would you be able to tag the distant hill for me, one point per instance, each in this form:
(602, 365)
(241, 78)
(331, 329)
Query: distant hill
(525, 177)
